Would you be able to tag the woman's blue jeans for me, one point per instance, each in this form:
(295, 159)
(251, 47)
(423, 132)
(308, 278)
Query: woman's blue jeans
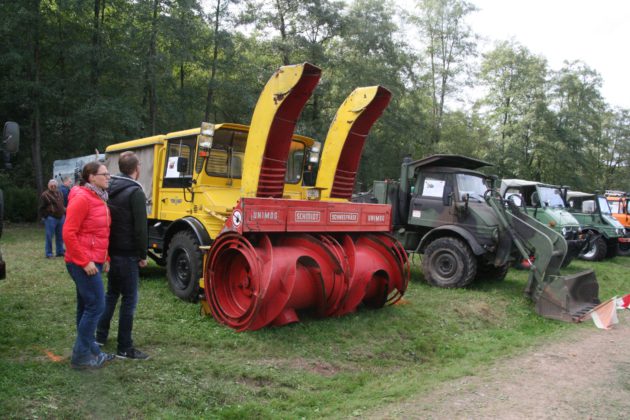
(90, 306)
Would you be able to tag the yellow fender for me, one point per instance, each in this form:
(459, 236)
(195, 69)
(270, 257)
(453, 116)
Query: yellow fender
(273, 123)
(346, 138)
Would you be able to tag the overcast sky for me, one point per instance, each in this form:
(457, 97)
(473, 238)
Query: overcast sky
(596, 32)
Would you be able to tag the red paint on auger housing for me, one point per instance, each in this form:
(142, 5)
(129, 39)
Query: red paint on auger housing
(255, 278)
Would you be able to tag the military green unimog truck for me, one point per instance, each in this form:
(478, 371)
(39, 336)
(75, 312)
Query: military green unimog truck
(595, 216)
(444, 208)
(439, 210)
(545, 203)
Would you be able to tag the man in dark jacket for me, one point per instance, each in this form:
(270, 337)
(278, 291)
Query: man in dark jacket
(52, 211)
(128, 252)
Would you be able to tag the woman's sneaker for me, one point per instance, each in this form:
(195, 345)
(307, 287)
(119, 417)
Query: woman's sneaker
(132, 354)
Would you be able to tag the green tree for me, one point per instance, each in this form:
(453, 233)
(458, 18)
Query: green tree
(580, 108)
(448, 44)
(517, 110)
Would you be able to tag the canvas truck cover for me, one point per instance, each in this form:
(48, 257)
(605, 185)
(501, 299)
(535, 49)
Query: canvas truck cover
(72, 167)
(145, 151)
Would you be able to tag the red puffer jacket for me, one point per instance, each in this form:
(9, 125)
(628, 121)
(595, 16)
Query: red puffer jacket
(86, 230)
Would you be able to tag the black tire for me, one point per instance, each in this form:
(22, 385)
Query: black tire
(613, 248)
(183, 266)
(596, 252)
(623, 250)
(449, 263)
(488, 272)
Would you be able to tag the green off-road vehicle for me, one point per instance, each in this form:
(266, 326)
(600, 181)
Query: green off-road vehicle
(546, 204)
(443, 208)
(595, 217)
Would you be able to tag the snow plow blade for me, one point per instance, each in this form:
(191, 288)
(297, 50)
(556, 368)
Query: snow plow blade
(568, 298)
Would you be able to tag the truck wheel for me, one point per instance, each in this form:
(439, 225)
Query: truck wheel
(596, 252)
(488, 272)
(183, 266)
(612, 249)
(449, 263)
(623, 249)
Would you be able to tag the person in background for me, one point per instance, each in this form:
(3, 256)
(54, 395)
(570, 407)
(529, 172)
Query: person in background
(66, 184)
(86, 232)
(52, 211)
(128, 252)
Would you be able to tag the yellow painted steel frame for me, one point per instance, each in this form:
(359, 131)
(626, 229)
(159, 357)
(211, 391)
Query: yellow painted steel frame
(372, 99)
(277, 90)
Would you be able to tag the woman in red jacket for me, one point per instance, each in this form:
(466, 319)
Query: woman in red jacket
(86, 234)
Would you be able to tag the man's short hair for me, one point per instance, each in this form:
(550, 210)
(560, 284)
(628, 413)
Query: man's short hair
(128, 162)
(52, 182)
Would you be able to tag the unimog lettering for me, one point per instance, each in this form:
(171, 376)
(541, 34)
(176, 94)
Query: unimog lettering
(376, 218)
(264, 215)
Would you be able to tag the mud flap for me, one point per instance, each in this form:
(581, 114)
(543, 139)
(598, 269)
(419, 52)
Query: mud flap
(568, 298)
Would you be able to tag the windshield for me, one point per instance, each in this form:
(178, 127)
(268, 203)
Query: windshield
(603, 205)
(614, 206)
(472, 185)
(550, 197)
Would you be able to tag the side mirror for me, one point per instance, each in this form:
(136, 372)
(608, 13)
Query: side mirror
(535, 199)
(182, 165)
(447, 198)
(11, 137)
(516, 199)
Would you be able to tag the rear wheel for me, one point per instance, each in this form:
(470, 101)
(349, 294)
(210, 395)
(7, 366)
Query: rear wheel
(183, 266)
(449, 263)
(596, 252)
(612, 248)
(623, 249)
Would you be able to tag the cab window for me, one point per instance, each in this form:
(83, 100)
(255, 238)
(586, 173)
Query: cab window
(295, 164)
(225, 159)
(431, 186)
(179, 151)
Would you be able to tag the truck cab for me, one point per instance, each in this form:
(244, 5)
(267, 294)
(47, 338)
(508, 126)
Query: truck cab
(546, 204)
(440, 211)
(595, 215)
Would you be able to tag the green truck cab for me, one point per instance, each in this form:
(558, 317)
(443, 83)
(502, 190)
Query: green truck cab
(545, 203)
(594, 214)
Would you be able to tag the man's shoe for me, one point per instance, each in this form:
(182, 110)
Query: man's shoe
(132, 354)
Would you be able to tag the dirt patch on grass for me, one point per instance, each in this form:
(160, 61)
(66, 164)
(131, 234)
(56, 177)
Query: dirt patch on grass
(299, 363)
(585, 375)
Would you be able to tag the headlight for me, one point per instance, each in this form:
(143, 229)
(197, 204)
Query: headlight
(620, 232)
(564, 231)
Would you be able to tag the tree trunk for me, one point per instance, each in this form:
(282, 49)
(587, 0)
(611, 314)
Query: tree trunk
(36, 148)
(213, 67)
(152, 77)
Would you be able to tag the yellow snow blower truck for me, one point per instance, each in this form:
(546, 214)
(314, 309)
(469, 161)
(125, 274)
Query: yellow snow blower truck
(227, 202)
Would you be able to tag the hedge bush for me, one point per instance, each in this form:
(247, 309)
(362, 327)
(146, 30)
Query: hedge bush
(20, 204)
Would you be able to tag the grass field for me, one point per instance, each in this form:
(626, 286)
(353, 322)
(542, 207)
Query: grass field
(339, 367)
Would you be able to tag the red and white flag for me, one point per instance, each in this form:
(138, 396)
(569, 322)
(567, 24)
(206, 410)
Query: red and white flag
(623, 302)
(604, 315)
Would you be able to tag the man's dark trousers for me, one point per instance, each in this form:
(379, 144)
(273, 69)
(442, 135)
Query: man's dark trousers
(122, 280)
